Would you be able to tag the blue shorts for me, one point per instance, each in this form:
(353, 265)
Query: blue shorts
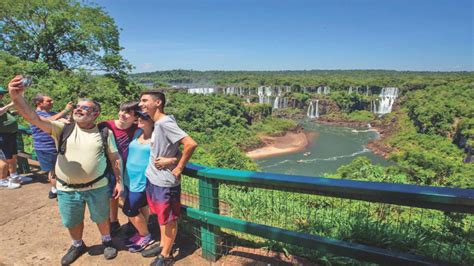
(47, 159)
(72, 205)
(134, 201)
(8, 144)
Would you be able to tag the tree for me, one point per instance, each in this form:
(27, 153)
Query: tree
(65, 34)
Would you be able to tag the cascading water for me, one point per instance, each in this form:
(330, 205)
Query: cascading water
(268, 94)
(276, 103)
(261, 96)
(313, 110)
(201, 90)
(386, 99)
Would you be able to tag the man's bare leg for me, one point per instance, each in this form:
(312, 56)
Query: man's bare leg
(3, 169)
(168, 235)
(12, 164)
(104, 227)
(76, 231)
(114, 210)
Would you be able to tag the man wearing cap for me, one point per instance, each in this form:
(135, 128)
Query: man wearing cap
(8, 146)
(80, 170)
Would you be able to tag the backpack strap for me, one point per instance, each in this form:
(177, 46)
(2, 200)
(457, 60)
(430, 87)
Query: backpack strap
(65, 133)
(104, 134)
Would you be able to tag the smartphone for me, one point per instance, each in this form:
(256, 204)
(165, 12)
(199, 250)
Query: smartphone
(27, 80)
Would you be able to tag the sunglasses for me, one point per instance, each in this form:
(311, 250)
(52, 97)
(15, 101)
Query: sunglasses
(145, 117)
(83, 107)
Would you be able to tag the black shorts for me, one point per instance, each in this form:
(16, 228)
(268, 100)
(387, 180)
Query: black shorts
(8, 144)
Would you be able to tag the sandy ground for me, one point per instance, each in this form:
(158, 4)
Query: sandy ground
(289, 143)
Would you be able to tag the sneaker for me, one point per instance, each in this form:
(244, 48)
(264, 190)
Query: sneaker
(52, 195)
(8, 184)
(132, 240)
(162, 261)
(4, 182)
(114, 228)
(20, 179)
(110, 251)
(153, 251)
(141, 243)
(73, 253)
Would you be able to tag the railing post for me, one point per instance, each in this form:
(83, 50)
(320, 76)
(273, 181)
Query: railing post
(209, 202)
(22, 162)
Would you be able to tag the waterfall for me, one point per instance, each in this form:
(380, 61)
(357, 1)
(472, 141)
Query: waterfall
(268, 94)
(313, 110)
(373, 106)
(386, 99)
(350, 90)
(261, 97)
(276, 102)
(327, 90)
(201, 90)
(319, 90)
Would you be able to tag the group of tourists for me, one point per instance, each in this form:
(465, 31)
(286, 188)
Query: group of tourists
(136, 157)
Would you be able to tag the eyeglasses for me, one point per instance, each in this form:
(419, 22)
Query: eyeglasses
(83, 107)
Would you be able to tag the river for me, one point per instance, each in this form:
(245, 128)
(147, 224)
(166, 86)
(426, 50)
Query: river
(332, 147)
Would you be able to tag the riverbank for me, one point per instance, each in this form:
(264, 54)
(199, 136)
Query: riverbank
(290, 142)
(377, 146)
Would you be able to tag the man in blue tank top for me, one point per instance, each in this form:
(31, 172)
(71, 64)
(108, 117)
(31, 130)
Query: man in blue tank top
(44, 143)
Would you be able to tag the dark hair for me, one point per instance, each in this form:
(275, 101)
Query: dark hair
(131, 106)
(38, 99)
(157, 95)
(143, 115)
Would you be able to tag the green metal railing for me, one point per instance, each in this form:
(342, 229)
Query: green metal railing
(370, 221)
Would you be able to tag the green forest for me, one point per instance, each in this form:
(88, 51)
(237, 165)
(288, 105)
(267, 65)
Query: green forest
(429, 135)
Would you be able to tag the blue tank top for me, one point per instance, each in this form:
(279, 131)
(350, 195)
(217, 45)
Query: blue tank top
(137, 161)
(41, 140)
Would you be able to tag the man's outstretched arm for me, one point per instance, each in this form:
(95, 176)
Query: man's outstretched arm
(16, 89)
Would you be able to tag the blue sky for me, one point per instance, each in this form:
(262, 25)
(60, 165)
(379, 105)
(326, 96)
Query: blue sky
(421, 35)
